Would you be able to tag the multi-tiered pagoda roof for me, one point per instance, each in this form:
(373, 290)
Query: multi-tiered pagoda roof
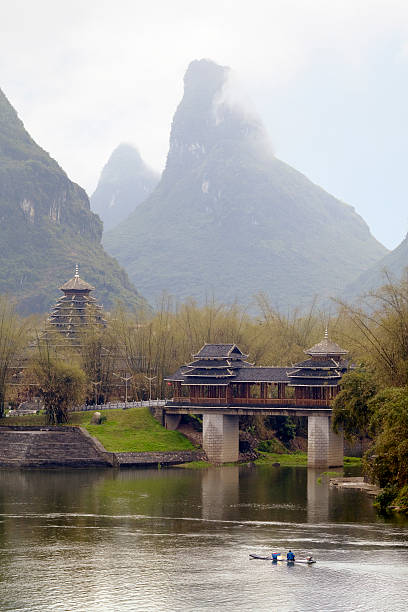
(325, 367)
(223, 364)
(75, 310)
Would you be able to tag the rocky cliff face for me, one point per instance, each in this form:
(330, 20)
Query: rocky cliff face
(46, 226)
(230, 219)
(125, 182)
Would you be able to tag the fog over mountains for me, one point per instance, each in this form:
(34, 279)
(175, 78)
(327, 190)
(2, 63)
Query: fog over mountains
(124, 183)
(46, 227)
(230, 219)
(394, 263)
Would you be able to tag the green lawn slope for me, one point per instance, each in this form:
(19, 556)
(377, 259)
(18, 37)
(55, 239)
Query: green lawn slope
(133, 430)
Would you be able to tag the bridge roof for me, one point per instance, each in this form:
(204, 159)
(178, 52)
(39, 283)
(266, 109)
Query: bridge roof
(217, 351)
(224, 364)
(326, 348)
(220, 363)
(322, 363)
(254, 374)
(306, 373)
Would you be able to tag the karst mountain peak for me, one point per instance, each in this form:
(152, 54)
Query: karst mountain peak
(126, 180)
(233, 219)
(47, 226)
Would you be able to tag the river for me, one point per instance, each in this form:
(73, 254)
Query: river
(179, 539)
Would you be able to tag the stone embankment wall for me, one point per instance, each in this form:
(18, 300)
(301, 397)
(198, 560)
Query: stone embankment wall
(162, 458)
(74, 447)
(50, 447)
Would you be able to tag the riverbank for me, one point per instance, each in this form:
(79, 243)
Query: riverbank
(274, 459)
(123, 431)
(136, 431)
(295, 459)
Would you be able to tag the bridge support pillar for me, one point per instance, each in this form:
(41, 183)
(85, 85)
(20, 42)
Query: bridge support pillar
(325, 448)
(172, 421)
(221, 437)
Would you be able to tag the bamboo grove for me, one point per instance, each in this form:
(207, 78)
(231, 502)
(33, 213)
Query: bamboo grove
(146, 345)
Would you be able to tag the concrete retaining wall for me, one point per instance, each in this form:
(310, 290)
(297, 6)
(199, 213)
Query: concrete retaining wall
(162, 458)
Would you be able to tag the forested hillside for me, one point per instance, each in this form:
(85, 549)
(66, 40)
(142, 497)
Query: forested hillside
(47, 226)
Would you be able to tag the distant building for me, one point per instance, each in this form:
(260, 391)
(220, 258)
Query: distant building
(75, 310)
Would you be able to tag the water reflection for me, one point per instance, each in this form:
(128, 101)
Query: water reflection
(220, 492)
(179, 540)
(317, 496)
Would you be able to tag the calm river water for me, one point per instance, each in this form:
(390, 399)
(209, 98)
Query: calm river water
(176, 539)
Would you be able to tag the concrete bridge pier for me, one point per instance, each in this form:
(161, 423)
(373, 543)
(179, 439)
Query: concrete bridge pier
(221, 437)
(172, 421)
(325, 448)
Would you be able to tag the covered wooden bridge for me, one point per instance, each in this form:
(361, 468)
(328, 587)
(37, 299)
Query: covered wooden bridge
(221, 385)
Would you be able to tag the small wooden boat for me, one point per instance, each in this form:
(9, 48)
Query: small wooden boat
(280, 558)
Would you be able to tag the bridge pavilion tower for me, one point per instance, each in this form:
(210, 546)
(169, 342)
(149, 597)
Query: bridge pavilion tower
(318, 378)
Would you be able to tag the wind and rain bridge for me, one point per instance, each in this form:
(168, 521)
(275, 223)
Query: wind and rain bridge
(221, 385)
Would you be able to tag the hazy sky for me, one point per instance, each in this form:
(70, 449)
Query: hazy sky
(329, 79)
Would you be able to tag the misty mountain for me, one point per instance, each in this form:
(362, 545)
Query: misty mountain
(124, 183)
(46, 227)
(229, 219)
(394, 263)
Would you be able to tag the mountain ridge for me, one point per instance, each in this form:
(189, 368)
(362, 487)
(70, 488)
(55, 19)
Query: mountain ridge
(394, 263)
(125, 181)
(233, 219)
(47, 226)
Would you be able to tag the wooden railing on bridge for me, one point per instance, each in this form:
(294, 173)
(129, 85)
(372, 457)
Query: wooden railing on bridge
(252, 401)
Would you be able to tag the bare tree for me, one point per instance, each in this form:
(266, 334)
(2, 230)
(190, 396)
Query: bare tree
(13, 338)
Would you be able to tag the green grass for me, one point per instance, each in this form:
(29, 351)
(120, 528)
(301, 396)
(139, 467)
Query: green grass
(299, 459)
(352, 460)
(194, 465)
(133, 430)
(284, 459)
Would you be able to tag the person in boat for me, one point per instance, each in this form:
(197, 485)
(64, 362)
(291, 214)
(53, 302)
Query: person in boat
(275, 557)
(309, 558)
(290, 556)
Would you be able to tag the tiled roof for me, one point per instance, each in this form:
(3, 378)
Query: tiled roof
(214, 382)
(76, 284)
(322, 362)
(309, 373)
(220, 363)
(326, 347)
(215, 372)
(254, 374)
(215, 351)
(178, 375)
(262, 374)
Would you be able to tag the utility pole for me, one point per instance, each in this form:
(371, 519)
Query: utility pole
(95, 384)
(150, 379)
(126, 379)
